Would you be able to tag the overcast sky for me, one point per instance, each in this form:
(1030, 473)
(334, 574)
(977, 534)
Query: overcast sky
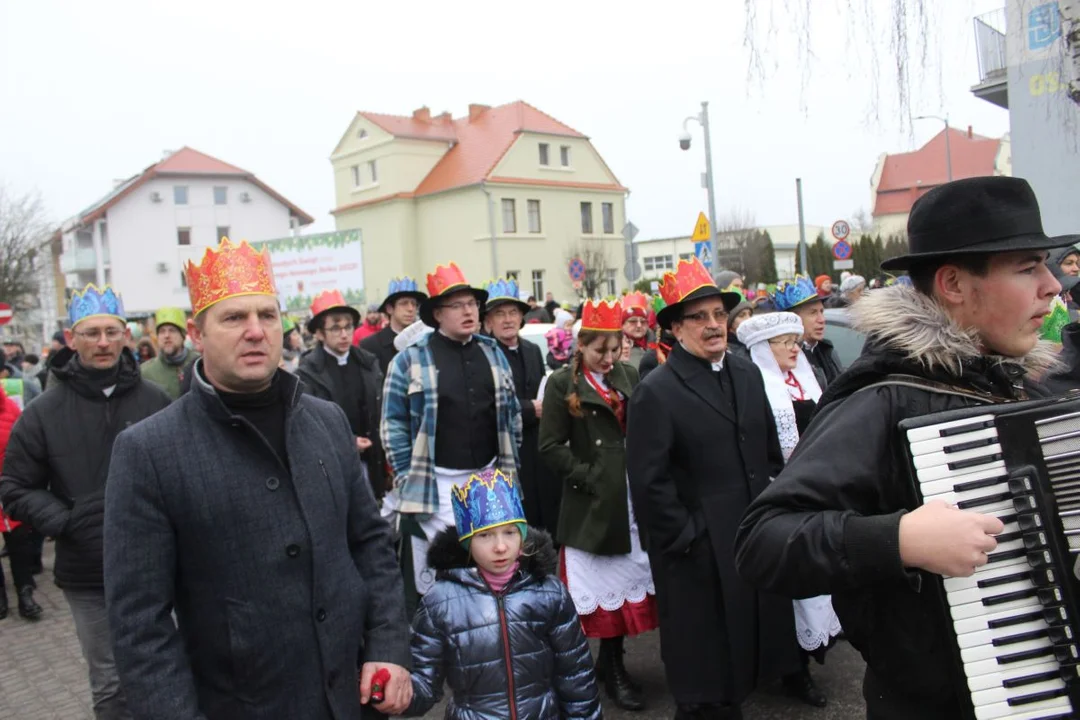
(92, 91)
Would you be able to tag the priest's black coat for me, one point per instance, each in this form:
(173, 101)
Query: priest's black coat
(695, 464)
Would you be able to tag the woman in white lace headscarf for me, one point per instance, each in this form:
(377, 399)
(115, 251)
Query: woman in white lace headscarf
(793, 392)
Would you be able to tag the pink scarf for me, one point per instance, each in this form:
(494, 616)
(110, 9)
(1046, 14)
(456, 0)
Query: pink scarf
(498, 581)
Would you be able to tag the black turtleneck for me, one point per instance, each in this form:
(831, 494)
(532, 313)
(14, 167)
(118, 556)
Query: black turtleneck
(265, 410)
(102, 379)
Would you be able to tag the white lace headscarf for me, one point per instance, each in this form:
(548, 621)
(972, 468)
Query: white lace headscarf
(755, 334)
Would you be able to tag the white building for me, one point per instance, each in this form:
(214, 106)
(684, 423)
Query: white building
(657, 256)
(138, 237)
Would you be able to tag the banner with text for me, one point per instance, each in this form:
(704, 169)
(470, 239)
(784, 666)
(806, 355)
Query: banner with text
(304, 266)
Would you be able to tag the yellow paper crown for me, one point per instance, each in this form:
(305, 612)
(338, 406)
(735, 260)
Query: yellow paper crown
(229, 271)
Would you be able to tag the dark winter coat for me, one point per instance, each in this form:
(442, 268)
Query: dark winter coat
(588, 455)
(58, 457)
(694, 467)
(830, 523)
(318, 380)
(381, 345)
(519, 653)
(825, 362)
(281, 574)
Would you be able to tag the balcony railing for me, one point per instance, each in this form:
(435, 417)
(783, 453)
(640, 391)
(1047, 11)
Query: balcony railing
(82, 259)
(990, 45)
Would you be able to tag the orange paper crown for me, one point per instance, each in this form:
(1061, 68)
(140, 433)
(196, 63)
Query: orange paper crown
(229, 271)
(689, 275)
(445, 279)
(635, 304)
(601, 316)
(327, 300)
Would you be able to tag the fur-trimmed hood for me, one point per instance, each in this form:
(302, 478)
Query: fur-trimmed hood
(538, 557)
(909, 333)
(903, 319)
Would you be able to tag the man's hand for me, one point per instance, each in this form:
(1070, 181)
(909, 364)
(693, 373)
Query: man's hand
(362, 443)
(397, 693)
(539, 408)
(941, 539)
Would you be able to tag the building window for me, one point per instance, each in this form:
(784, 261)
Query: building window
(655, 263)
(538, 283)
(222, 232)
(183, 236)
(514, 275)
(373, 166)
(544, 160)
(586, 218)
(183, 279)
(534, 216)
(179, 194)
(356, 175)
(609, 280)
(607, 210)
(221, 195)
(564, 155)
(509, 216)
(361, 134)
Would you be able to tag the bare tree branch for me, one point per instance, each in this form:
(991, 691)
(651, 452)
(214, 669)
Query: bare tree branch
(23, 230)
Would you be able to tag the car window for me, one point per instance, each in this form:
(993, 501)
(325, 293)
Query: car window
(848, 342)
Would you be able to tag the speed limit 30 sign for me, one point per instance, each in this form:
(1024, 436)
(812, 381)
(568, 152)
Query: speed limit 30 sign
(841, 230)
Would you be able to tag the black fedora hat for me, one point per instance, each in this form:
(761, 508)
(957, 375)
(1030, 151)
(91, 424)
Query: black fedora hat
(975, 216)
(402, 287)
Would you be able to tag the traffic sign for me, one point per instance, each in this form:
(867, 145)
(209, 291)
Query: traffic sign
(843, 264)
(632, 272)
(576, 284)
(841, 250)
(577, 270)
(702, 231)
(6, 313)
(703, 251)
(630, 231)
(841, 230)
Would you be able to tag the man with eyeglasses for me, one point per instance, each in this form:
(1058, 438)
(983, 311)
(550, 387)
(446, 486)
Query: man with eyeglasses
(801, 297)
(458, 381)
(57, 462)
(338, 371)
(700, 446)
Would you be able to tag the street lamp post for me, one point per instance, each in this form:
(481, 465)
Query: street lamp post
(948, 148)
(702, 119)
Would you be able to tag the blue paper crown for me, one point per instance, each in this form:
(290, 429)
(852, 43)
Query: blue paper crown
(403, 284)
(95, 302)
(790, 294)
(502, 288)
(487, 500)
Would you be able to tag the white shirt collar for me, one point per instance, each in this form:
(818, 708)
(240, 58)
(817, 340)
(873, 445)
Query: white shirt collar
(342, 359)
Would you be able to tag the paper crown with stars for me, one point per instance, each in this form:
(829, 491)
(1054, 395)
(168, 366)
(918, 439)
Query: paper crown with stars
(488, 499)
(92, 302)
(791, 294)
(403, 287)
(505, 291)
(602, 316)
(635, 304)
(229, 271)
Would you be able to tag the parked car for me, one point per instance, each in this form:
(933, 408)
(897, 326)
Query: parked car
(847, 341)
(534, 333)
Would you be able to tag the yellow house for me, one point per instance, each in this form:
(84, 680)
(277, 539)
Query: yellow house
(505, 191)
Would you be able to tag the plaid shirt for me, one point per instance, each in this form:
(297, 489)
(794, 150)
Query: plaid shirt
(409, 411)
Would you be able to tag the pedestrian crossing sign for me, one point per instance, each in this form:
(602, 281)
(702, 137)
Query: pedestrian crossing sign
(703, 251)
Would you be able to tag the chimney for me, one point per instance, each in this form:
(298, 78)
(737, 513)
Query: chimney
(476, 111)
(422, 115)
(444, 118)
(970, 134)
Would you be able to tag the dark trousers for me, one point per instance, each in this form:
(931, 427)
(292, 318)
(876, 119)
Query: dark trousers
(22, 552)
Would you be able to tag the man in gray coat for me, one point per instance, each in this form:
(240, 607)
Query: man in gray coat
(242, 510)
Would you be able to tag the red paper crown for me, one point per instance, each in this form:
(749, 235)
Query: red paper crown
(635, 304)
(689, 275)
(327, 300)
(445, 278)
(601, 316)
(229, 271)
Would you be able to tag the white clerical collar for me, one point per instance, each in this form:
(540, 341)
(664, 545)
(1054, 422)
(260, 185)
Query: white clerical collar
(342, 359)
(456, 342)
(716, 366)
(809, 345)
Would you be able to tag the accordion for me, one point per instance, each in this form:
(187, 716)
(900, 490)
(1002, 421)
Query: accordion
(1016, 621)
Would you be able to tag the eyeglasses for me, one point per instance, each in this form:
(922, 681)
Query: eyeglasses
(789, 343)
(335, 329)
(461, 305)
(720, 316)
(111, 334)
(511, 313)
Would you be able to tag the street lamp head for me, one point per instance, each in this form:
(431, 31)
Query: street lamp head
(684, 140)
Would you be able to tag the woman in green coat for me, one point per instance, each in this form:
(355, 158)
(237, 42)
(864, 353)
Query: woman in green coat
(582, 440)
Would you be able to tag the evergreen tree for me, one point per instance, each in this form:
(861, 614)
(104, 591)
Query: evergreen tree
(865, 253)
(767, 258)
(820, 257)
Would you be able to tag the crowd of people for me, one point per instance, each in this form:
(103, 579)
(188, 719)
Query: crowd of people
(340, 518)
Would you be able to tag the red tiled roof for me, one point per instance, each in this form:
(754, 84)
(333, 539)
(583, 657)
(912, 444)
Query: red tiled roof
(187, 162)
(478, 142)
(905, 177)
